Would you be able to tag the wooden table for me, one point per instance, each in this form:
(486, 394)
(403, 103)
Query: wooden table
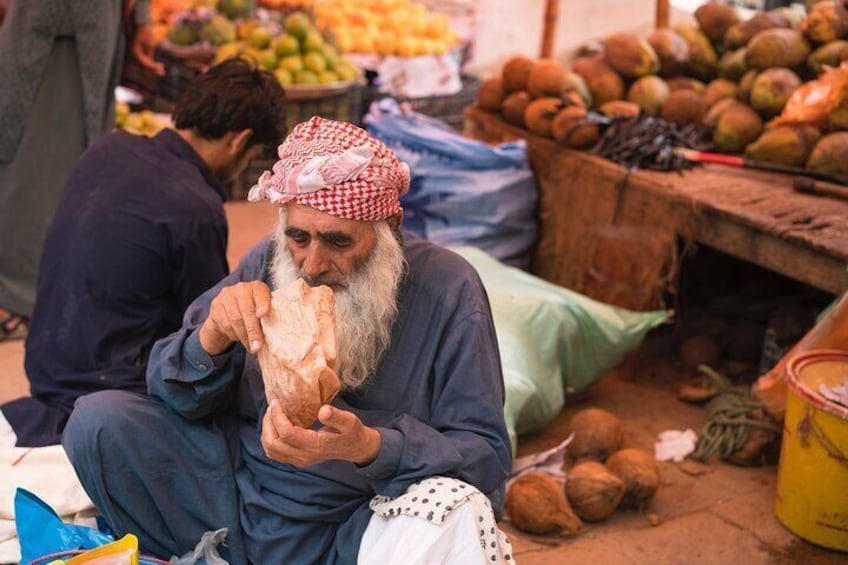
(618, 237)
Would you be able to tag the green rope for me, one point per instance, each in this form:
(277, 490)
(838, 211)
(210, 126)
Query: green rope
(726, 430)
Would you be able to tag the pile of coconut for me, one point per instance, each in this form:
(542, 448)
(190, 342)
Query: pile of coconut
(604, 476)
(733, 76)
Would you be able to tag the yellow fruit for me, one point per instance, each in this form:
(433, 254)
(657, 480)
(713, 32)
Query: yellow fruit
(326, 77)
(298, 25)
(314, 62)
(305, 77)
(284, 76)
(260, 38)
(292, 63)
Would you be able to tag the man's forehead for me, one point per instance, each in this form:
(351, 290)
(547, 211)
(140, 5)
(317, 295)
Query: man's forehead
(307, 219)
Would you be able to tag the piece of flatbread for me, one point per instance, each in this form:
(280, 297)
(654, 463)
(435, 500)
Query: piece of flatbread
(298, 359)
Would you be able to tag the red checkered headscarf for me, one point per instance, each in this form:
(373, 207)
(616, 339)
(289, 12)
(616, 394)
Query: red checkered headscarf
(337, 168)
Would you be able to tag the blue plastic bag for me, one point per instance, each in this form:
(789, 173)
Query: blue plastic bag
(41, 531)
(463, 192)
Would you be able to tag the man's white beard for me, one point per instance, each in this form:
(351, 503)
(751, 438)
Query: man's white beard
(365, 309)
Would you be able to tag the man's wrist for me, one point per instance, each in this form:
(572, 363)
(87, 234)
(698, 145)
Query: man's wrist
(373, 443)
(212, 342)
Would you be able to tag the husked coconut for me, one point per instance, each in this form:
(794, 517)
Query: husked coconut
(830, 155)
(746, 84)
(513, 107)
(684, 107)
(572, 129)
(491, 95)
(732, 65)
(737, 126)
(720, 89)
(715, 19)
(776, 47)
(785, 145)
(515, 73)
(630, 56)
(540, 113)
(650, 93)
(593, 492)
(714, 113)
(603, 82)
(597, 434)
(771, 89)
(639, 472)
(686, 83)
(703, 61)
(672, 51)
(740, 34)
(536, 504)
(620, 109)
(830, 54)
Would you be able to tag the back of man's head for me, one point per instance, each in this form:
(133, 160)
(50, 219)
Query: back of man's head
(234, 96)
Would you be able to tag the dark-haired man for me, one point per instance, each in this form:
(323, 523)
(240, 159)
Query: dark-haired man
(139, 233)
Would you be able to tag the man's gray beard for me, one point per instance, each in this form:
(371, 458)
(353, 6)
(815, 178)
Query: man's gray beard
(365, 309)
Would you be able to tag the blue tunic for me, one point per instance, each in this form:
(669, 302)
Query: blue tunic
(437, 401)
(140, 233)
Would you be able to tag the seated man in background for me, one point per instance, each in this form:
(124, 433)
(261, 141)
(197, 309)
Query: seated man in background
(417, 430)
(140, 232)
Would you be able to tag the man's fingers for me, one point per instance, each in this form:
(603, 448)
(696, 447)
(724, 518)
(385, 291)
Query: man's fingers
(252, 327)
(262, 298)
(339, 420)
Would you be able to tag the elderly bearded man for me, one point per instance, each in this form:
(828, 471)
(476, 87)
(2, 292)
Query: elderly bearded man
(408, 463)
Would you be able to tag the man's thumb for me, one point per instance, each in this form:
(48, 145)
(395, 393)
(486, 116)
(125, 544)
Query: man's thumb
(332, 418)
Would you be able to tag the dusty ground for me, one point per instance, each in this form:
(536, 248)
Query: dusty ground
(720, 514)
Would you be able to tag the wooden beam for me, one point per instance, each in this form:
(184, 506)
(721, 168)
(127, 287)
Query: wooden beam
(549, 29)
(662, 14)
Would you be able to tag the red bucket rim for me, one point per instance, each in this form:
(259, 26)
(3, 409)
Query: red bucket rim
(798, 362)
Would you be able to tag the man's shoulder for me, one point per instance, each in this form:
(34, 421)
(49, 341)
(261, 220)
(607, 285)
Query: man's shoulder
(438, 271)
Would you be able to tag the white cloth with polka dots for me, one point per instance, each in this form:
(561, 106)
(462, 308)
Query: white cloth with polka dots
(433, 500)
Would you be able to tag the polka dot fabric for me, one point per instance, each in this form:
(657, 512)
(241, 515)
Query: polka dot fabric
(433, 498)
(313, 170)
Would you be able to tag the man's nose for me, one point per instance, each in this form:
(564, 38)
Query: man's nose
(315, 263)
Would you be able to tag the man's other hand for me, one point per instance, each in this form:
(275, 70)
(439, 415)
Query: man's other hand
(344, 437)
(234, 317)
(142, 48)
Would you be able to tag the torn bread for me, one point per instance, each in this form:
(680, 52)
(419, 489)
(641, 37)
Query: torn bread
(299, 357)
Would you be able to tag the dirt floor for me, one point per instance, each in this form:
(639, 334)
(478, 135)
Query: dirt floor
(715, 513)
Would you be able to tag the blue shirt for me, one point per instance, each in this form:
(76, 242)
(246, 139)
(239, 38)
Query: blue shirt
(436, 400)
(140, 232)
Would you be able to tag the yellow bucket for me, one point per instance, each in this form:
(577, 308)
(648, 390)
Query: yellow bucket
(812, 479)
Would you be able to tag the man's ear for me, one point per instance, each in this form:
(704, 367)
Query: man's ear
(395, 221)
(240, 141)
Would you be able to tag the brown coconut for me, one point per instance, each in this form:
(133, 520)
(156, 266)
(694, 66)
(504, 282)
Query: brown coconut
(827, 21)
(572, 129)
(649, 93)
(603, 82)
(639, 472)
(830, 155)
(719, 89)
(686, 83)
(740, 34)
(715, 19)
(736, 128)
(597, 434)
(540, 113)
(830, 54)
(837, 119)
(536, 504)
(684, 107)
(491, 95)
(593, 492)
(776, 48)
(620, 109)
(714, 113)
(771, 89)
(630, 56)
(672, 51)
(785, 145)
(732, 66)
(746, 83)
(703, 61)
(515, 73)
(700, 350)
(789, 13)
(513, 107)
(548, 78)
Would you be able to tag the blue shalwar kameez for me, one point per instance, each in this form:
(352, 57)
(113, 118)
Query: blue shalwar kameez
(190, 460)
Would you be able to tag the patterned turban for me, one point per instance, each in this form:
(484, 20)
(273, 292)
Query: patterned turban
(336, 168)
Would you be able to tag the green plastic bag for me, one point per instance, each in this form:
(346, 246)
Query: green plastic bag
(553, 341)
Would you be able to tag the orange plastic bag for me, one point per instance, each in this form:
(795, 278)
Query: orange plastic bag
(831, 332)
(813, 101)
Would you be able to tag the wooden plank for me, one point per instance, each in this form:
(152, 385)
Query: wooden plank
(752, 215)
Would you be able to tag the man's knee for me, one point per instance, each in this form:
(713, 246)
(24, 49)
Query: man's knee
(93, 415)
